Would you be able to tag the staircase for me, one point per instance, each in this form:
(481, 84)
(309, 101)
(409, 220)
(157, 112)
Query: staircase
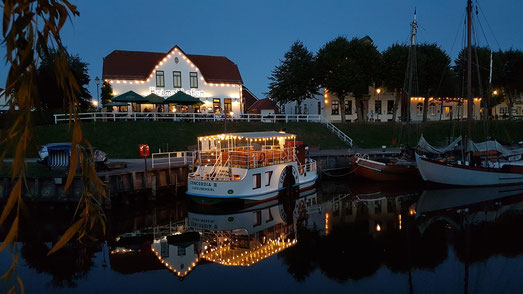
(337, 131)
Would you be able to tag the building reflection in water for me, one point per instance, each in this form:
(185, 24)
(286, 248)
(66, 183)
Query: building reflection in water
(347, 233)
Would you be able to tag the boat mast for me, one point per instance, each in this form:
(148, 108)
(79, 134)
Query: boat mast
(411, 69)
(469, 70)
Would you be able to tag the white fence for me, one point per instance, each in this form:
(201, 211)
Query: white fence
(166, 159)
(190, 117)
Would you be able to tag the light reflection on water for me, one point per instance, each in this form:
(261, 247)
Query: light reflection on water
(337, 237)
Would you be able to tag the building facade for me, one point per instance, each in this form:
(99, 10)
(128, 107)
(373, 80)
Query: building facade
(215, 80)
(380, 107)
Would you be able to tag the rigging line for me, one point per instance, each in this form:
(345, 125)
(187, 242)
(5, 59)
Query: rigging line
(451, 51)
(488, 25)
(483, 31)
(480, 85)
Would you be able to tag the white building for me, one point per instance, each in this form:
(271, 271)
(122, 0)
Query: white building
(215, 80)
(314, 105)
(380, 107)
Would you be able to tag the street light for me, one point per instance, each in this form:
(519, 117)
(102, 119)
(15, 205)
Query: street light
(97, 80)
(495, 92)
(378, 91)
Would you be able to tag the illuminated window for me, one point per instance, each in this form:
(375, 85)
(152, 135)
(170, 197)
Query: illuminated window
(432, 109)
(448, 111)
(193, 79)
(227, 107)
(177, 79)
(217, 105)
(348, 107)
(335, 107)
(160, 79)
(419, 108)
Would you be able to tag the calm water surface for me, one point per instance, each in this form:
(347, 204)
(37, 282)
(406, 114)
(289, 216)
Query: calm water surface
(342, 236)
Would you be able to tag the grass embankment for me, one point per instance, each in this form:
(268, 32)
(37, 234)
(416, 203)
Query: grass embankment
(121, 139)
(372, 135)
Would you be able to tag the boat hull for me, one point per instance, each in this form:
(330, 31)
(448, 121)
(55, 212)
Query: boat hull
(378, 171)
(460, 175)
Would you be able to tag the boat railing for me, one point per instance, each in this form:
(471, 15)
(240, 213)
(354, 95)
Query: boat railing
(248, 158)
(308, 166)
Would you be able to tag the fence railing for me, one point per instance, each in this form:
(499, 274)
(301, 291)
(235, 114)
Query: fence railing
(337, 132)
(189, 117)
(172, 158)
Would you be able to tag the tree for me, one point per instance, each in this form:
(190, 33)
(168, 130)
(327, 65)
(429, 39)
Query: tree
(51, 95)
(433, 67)
(29, 30)
(349, 68)
(394, 64)
(512, 76)
(107, 93)
(293, 79)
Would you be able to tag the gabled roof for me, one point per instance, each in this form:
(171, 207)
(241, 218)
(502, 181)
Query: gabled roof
(266, 103)
(138, 65)
(248, 97)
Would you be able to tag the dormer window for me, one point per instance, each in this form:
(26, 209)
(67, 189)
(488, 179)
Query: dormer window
(160, 78)
(193, 79)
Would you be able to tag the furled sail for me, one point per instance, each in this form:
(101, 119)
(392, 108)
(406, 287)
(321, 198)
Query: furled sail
(493, 145)
(424, 146)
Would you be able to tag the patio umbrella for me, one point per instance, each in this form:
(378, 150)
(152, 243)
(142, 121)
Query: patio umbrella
(181, 98)
(155, 99)
(130, 97)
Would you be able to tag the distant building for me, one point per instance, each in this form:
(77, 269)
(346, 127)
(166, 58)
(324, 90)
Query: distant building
(380, 108)
(264, 107)
(215, 80)
(501, 111)
(308, 106)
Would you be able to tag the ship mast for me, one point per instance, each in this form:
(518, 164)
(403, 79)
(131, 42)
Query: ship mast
(411, 69)
(469, 70)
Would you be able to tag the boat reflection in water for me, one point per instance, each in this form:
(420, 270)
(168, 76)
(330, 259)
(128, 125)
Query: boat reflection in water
(236, 237)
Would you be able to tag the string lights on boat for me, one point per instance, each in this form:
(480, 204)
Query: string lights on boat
(229, 256)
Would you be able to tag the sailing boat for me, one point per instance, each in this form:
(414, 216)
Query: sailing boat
(402, 167)
(489, 163)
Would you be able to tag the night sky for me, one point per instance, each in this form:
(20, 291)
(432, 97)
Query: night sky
(256, 34)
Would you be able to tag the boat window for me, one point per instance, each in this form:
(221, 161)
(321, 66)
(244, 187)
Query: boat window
(257, 218)
(256, 181)
(181, 251)
(268, 176)
(269, 216)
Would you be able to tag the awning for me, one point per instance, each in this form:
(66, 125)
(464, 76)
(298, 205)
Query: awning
(115, 104)
(181, 98)
(130, 97)
(155, 99)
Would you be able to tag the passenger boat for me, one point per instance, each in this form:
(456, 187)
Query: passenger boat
(250, 167)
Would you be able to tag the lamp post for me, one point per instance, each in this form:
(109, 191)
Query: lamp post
(97, 80)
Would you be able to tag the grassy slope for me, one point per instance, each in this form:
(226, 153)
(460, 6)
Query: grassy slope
(376, 134)
(121, 139)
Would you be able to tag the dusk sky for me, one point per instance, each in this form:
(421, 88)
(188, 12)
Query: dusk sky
(256, 34)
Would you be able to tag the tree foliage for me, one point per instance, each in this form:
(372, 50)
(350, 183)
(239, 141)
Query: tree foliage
(50, 94)
(293, 79)
(30, 29)
(107, 93)
(349, 67)
(393, 69)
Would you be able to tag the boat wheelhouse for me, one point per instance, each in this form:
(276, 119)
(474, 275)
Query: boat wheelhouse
(250, 166)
